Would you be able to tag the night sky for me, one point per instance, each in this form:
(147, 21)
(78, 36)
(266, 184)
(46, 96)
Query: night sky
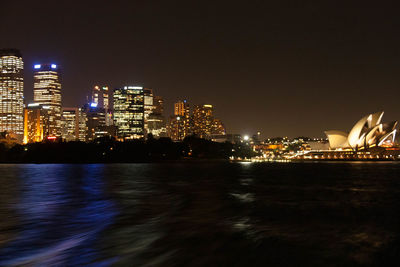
(286, 68)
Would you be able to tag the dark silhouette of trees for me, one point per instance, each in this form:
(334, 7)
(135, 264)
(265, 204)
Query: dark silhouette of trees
(108, 150)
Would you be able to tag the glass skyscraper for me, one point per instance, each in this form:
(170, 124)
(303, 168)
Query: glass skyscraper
(47, 91)
(74, 126)
(36, 123)
(12, 92)
(100, 97)
(129, 112)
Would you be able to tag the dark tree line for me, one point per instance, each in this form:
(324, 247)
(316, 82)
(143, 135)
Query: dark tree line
(108, 150)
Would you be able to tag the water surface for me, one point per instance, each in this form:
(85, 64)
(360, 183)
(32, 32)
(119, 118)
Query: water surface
(200, 214)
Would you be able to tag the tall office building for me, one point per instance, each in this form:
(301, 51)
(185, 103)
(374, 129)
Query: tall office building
(148, 107)
(179, 126)
(99, 113)
(99, 122)
(129, 112)
(36, 123)
(47, 91)
(156, 120)
(181, 108)
(176, 128)
(158, 103)
(202, 120)
(11, 93)
(74, 126)
(100, 97)
(156, 125)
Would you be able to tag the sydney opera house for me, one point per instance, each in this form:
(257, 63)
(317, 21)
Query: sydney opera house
(368, 132)
(369, 139)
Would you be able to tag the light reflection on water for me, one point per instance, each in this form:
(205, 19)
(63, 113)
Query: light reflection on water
(199, 214)
(60, 211)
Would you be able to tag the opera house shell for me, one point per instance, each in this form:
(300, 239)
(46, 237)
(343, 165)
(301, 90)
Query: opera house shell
(367, 132)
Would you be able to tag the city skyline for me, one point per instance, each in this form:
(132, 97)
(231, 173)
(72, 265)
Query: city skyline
(288, 71)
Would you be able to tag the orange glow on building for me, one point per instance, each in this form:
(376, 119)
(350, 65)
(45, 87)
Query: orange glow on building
(36, 123)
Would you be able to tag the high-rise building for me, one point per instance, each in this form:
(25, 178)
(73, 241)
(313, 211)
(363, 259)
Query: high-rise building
(181, 108)
(179, 126)
(99, 102)
(129, 112)
(148, 107)
(99, 122)
(176, 128)
(47, 91)
(158, 103)
(156, 120)
(11, 92)
(202, 120)
(218, 127)
(100, 97)
(36, 123)
(156, 125)
(74, 126)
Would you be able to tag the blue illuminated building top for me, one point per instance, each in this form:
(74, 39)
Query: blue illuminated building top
(45, 66)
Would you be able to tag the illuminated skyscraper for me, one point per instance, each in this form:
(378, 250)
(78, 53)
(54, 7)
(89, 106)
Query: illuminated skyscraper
(158, 103)
(99, 113)
(99, 122)
(156, 125)
(181, 108)
(47, 91)
(36, 123)
(218, 127)
(179, 126)
(176, 128)
(100, 97)
(148, 107)
(11, 92)
(129, 112)
(202, 120)
(74, 126)
(156, 120)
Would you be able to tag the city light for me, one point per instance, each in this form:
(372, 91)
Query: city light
(246, 138)
(53, 66)
(37, 66)
(93, 105)
(134, 87)
(33, 105)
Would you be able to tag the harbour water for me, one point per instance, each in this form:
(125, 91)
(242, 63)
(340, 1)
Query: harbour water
(200, 214)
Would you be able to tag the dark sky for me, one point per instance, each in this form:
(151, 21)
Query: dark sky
(286, 68)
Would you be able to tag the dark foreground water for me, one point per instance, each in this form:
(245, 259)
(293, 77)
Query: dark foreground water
(200, 214)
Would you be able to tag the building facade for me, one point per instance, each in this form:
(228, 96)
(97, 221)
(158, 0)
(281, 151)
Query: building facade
(148, 107)
(47, 92)
(368, 132)
(158, 103)
(217, 127)
(12, 92)
(202, 120)
(156, 120)
(129, 112)
(179, 125)
(100, 97)
(74, 124)
(36, 123)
